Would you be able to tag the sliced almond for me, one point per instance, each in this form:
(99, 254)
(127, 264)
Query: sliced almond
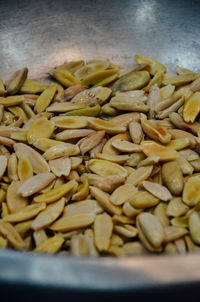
(109, 149)
(105, 168)
(38, 162)
(74, 133)
(98, 148)
(82, 191)
(155, 132)
(3, 165)
(123, 194)
(176, 133)
(139, 175)
(35, 184)
(70, 122)
(174, 232)
(157, 190)
(107, 126)
(191, 108)
(25, 213)
(151, 160)
(125, 146)
(16, 81)
(52, 245)
(60, 166)
(9, 232)
(143, 199)
(136, 132)
(126, 118)
(12, 167)
(191, 192)
(48, 215)
(41, 127)
(15, 202)
(174, 184)
(103, 227)
(151, 148)
(65, 149)
(25, 168)
(65, 107)
(88, 206)
(118, 159)
(44, 143)
(91, 141)
(127, 231)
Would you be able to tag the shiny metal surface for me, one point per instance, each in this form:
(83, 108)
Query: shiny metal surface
(41, 34)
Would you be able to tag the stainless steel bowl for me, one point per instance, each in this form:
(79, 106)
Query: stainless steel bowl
(42, 34)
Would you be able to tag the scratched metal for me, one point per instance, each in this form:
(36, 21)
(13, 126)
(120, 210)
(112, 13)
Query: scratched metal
(41, 34)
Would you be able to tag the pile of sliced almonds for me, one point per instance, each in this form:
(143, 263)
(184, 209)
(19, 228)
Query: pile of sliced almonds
(102, 161)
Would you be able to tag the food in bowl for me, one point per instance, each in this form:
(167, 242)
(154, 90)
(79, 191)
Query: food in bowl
(101, 161)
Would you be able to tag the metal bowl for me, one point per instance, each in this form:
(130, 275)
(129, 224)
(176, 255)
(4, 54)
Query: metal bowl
(42, 34)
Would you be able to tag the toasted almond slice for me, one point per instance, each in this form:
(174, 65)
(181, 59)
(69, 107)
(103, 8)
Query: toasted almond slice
(108, 126)
(155, 132)
(104, 199)
(52, 245)
(25, 168)
(191, 192)
(44, 144)
(194, 227)
(88, 206)
(157, 190)
(103, 227)
(107, 184)
(174, 232)
(35, 184)
(151, 148)
(91, 141)
(82, 191)
(45, 98)
(11, 100)
(191, 108)
(75, 162)
(48, 215)
(143, 199)
(176, 133)
(9, 232)
(154, 98)
(139, 175)
(61, 150)
(152, 229)
(74, 133)
(106, 168)
(65, 107)
(60, 166)
(12, 167)
(73, 222)
(41, 127)
(119, 159)
(3, 165)
(38, 162)
(55, 193)
(25, 213)
(127, 231)
(70, 122)
(151, 160)
(126, 118)
(123, 194)
(109, 149)
(15, 202)
(136, 132)
(98, 148)
(125, 146)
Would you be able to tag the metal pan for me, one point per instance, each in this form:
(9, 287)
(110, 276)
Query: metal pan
(42, 34)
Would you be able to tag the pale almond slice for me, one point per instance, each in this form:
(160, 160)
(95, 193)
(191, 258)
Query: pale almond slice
(11, 100)
(125, 146)
(123, 194)
(89, 237)
(185, 166)
(8, 130)
(61, 166)
(35, 184)
(129, 210)
(70, 122)
(157, 190)
(176, 208)
(195, 85)
(12, 167)
(25, 213)
(143, 200)
(73, 222)
(151, 148)
(154, 98)
(191, 108)
(64, 107)
(79, 246)
(174, 107)
(176, 183)
(167, 91)
(9, 232)
(103, 227)
(41, 127)
(98, 148)
(74, 133)
(91, 141)
(189, 154)
(52, 245)
(6, 141)
(174, 232)
(108, 126)
(105, 168)
(157, 133)
(56, 193)
(104, 199)
(15, 202)
(65, 149)
(179, 143)
(139, 175)
(194, 227)
(48, 215)
(152, 229)
(38, 162)
(119, 159)
(151, 160)
(176, 133)
(128, 103)
(160, 213)
(135, 159)
(109, 149)
(136, 132)
(116, 240)
(127, 231)
(126, 118)
(39, 237)
(191, 191)
(107, 184)
(75, 162)
(88, 206)
(44, 143)
(25, 168)
(3, 165)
